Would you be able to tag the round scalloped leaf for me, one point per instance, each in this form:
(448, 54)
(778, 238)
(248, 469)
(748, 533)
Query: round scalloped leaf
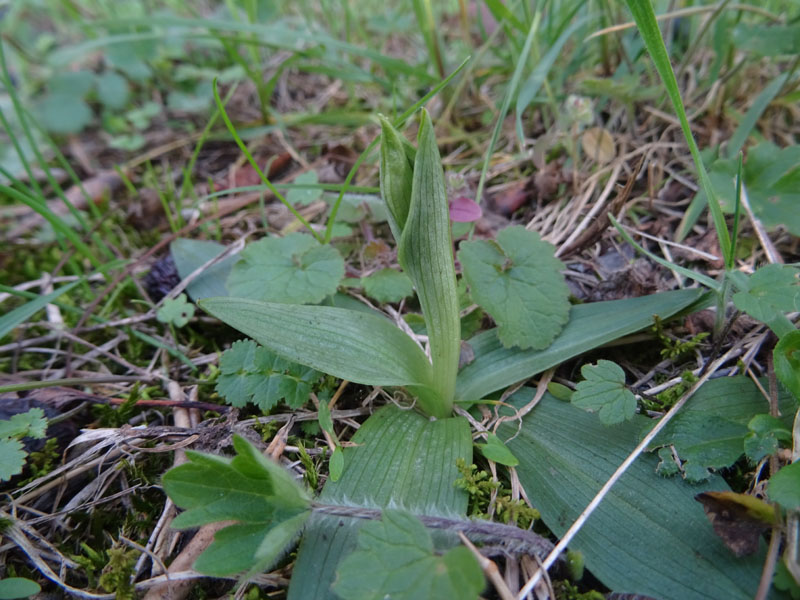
(603, 390)
(772, 289)
(518, 281)
(291, 270)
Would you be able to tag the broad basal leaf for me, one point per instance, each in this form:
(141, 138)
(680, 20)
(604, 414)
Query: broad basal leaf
(387, 285)
(251, 373)
(648, 536)
(268, 506)
(293, 269)
(360, 347)
(603, 391)
(394, 559)
(400, 459)
(518, 281)
(590, 325)
(771, 290)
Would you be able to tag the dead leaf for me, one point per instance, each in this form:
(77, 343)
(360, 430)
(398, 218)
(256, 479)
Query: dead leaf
(739, 519)
(599, 145)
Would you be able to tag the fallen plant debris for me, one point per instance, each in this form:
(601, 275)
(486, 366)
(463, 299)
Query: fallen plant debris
(420, 301)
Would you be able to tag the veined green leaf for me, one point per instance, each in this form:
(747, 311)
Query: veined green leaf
(426, 254)
(395, 177)
(356, 346)
(401, 459)
(648, 536)
(589, 326)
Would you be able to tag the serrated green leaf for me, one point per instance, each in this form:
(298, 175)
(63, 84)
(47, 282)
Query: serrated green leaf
(177, 311)
(28, 424)
(603, 390)
(248, 488)
(766, 433)
(784, 487)
(251, 373)
(497, 451)
(786, 358)
(394, 559)
(304, 196)
(12, 458)
(401, 459)
(771, 290)
(590, 325)
(18, 587)
(645, 523)
(518, 281)
(360, 347)
(387, 285)
(666, 467)
(250, 547)
(293, 269)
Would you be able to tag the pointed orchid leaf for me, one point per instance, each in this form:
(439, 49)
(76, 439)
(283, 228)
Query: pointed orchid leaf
(359, 347)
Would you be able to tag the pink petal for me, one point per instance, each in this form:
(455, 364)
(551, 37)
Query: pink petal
(464, 210)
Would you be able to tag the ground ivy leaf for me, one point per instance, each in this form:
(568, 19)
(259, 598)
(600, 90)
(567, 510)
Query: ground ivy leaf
(177, 311)
(603, 390)
(301, 195)
(294, 269)
(12, 458)
(494, 449)
(253, 374)
(394, 559)
(772, 290)
(766, 433)
(518, 282)
(784, 487)
(387, 285)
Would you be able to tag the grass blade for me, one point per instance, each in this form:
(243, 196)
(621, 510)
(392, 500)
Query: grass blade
(22, 313)
(642, 11)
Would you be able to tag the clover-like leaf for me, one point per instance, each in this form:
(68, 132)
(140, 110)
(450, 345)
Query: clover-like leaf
(292, 270)
(770, 291)
(394, 559)
(177, 311)
(787, 361)
(603, 390)
(387, 285)
(517, 280)
(254, 374)
(784, 487)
